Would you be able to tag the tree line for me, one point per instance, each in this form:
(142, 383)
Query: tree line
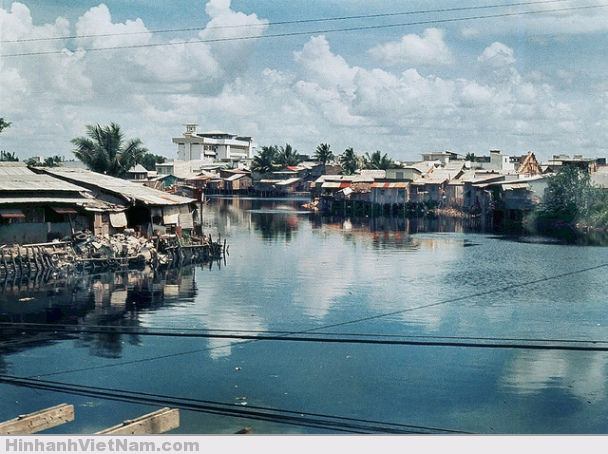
(274, 157)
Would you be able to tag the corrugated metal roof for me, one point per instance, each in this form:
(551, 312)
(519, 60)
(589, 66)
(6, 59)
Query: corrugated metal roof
(335, 185)
(238, 176)
(399, 185)
(124, 188)
(88, 203)
(288, 181)
(20, 178)
(375, 173)
(507, 186)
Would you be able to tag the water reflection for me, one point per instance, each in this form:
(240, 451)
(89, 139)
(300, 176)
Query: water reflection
(291, 270)
(97, 300)
(580, 374)
(280, 219)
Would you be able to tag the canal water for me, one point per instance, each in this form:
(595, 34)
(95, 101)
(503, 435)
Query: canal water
(313, 325)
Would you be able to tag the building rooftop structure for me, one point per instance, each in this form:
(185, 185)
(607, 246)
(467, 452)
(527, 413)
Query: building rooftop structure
(213, 146)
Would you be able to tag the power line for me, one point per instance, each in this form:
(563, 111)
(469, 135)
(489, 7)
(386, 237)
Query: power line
(281, 416)
(573, 345)
(465, 297)
(342, 338)
(291, 22)
(322, 31)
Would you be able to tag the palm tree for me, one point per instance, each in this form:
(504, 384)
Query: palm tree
(324, 154)
(287, 156)
(53, 161)
(350, 162)
(8, 156)
(265, 161)
(4, 124)
(105, 151)
(377, 161)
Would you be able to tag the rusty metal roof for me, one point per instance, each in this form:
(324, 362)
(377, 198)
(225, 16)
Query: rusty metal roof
(397, 185)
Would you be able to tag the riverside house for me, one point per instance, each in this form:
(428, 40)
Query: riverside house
(37, 207)
(143, 209)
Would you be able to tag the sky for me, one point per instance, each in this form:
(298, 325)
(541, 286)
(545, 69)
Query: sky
(404, 78)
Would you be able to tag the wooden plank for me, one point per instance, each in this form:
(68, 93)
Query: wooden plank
(157, 422)
(40, 420)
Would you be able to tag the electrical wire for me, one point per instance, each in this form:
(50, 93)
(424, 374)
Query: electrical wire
(324, 422)
(289, 22)
(309, 32)
(275, 415)
(343, 338)
(573, 346)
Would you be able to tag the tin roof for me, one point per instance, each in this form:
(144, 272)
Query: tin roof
(126, 189)
(87, 202)
(237, 176)
(398, 185)
(288, 181)
(16, 178)
(335, 185)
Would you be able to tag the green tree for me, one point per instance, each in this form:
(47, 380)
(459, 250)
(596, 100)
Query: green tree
(53, 161)
(350, 162)
(323, 153)
(265, 160)
(4, 124)
(150, 160)
(104, 150)
(570, 198)
(287, 156)
(378, 161)
(4, 156)
(8, 157)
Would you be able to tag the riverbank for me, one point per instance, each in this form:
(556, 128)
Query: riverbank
(85, 252)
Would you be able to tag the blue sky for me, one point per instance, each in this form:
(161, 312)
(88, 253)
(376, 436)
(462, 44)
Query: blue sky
(404, 78)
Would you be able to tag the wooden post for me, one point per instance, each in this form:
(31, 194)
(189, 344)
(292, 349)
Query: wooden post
(157, 422)
(20, 259)
(4, 261)
(38, 421)
(13, 260)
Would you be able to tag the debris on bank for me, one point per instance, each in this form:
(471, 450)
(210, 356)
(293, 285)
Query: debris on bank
(314, 205)
(87, 252)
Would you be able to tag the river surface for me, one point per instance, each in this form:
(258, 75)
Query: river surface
(313, 325)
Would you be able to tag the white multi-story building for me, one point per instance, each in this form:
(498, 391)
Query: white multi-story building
(213, 146)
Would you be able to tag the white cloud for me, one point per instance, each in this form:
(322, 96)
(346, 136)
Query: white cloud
(97, 30)
(52, 85)
(497, 55)
(318, 63)
(321, 96)
(56, 74)
(428, 49)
